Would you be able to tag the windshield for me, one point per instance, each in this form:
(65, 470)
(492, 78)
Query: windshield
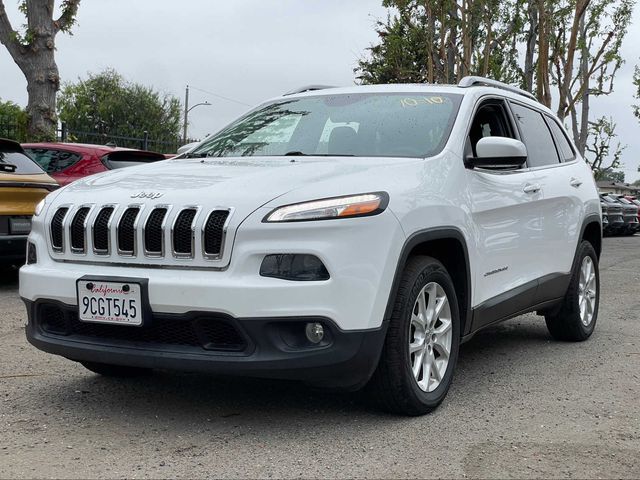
(624, 200)
(18, 163)
(361, 125)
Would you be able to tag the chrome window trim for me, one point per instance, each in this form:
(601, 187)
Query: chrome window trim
(209, 256)
(163, 225)
(197, 208)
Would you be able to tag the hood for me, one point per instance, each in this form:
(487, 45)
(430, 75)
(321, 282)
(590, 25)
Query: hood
(244, 184)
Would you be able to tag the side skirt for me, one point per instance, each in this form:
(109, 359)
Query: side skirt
(531, 296)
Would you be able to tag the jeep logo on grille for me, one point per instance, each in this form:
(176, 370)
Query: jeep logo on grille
(150, 195)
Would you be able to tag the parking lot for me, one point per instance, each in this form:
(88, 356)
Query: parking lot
(522, 405)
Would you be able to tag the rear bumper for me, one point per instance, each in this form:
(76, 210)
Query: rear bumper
(273, 348)
(13, 248)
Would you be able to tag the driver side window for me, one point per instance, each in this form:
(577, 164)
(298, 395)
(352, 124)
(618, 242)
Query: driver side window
(490, 120)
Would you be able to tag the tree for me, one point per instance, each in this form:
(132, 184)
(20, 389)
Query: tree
(13, 121)
(563, 49)
(106, 103)
(34, 53)
(604, 158)
(636, 82)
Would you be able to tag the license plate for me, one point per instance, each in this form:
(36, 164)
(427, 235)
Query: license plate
(20, 226)
(110, 302)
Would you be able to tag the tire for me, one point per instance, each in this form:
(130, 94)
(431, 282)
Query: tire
(119, 371)
(394, 387)
(568, 322)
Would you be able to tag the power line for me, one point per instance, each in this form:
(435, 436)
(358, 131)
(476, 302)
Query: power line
(220, 96)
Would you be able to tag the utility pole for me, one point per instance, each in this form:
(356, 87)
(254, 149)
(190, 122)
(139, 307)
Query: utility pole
(186, 115)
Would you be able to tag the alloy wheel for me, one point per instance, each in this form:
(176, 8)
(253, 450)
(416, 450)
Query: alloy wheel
(587, 291)
(430, 336)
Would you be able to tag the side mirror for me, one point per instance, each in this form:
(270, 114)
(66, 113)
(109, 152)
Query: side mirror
(498, 153)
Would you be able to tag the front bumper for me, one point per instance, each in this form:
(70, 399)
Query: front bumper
(271, 347)
(13, 249)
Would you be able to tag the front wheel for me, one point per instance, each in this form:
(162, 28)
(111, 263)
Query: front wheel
(576, 317)
(421, 346)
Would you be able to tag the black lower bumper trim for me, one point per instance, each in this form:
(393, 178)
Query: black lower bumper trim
(345, 359)
(13, 249)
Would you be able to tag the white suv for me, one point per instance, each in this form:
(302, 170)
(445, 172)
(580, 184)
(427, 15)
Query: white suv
(346, 237)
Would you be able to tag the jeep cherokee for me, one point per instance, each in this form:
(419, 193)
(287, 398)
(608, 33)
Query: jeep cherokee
(346, 237)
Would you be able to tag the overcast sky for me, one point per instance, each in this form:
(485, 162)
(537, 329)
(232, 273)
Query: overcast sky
(248, 51)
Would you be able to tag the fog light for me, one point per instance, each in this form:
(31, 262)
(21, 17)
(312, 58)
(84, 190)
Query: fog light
(297, 267)
(32, 256)
(314, 332)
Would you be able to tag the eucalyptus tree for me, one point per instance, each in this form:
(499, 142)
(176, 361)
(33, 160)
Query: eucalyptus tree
(32, 47)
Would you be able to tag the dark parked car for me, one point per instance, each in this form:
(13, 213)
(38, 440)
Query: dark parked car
(629, 213)
(67, 162)
(615, 222)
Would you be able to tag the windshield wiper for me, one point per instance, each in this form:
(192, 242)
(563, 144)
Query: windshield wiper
(8, 167)
(302, 154)
(195, 155)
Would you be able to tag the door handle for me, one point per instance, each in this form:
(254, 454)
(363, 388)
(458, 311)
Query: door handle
(531, 188)
(575, 182)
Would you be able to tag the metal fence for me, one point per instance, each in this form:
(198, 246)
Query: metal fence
(12, 130)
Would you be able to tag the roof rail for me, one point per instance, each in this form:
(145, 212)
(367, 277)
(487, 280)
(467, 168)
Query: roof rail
(474, 81)
(308, 88)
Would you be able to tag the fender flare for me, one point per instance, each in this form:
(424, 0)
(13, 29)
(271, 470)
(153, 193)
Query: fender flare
(423, 236)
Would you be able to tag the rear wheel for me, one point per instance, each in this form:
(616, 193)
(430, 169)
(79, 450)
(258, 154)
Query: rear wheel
(121, 371)
(421, 346)
(576, 318)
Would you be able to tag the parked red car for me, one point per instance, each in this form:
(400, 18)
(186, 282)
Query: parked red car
(67, 162)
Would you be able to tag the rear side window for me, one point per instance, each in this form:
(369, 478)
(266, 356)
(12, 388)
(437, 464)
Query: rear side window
(18, 163)
(53, 161)
(541, 149)
(564, 147)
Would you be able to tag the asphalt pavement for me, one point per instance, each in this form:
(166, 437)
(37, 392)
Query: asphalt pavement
(522, 406)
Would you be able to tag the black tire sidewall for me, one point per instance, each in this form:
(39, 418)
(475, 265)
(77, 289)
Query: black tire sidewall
(587, 250)
(432, 272)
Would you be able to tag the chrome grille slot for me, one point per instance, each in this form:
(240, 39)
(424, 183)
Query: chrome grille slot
(153, 232)
(155, 235)
(213, 233)
(126, 231)
(101, 231)
(183, 233)
(78, 235)
(57, 232)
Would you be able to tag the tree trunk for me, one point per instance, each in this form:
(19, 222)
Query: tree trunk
(43, 83)
(35, 56)
(527, 81)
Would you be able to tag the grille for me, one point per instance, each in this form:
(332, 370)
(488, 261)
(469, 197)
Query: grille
(101, 230)
(57, 235)
(126, 232)
(209, 333)
(183, 232)
(214, 232)
(78, 230)
(117, 232)
(153, 231)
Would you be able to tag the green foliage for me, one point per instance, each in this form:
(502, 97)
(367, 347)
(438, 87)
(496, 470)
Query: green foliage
(614, 176)
(13, 121)
(106, 103)
(601, 155)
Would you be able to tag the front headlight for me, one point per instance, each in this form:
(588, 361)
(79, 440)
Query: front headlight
(360, 205)
(39, 208)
